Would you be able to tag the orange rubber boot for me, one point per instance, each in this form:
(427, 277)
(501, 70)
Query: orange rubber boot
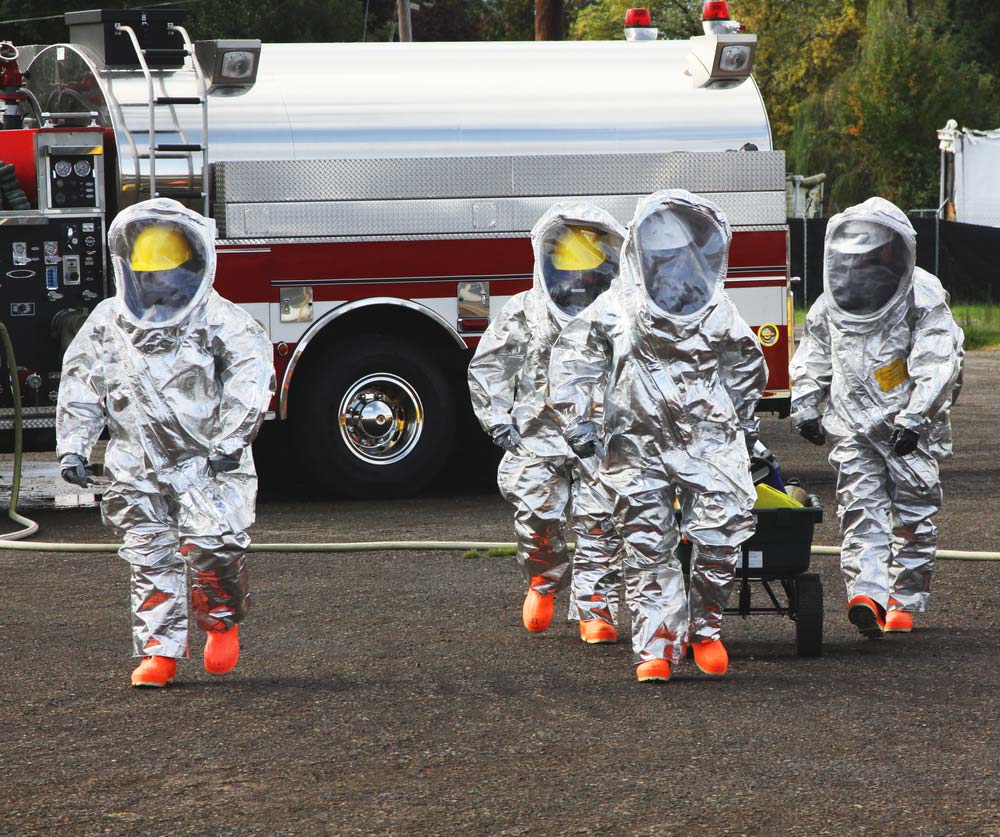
(155, 672)
(867, 615)
(596, 631)
(536, 612)
(656, 670)
(711, 657)
(898, 621)
(222, 650)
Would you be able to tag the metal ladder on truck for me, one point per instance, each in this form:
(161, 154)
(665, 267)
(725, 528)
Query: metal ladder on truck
(184, 149)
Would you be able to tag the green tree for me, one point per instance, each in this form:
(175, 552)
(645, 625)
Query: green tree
(801, 47)
(872, 129)
(604, 20)
(280, 22)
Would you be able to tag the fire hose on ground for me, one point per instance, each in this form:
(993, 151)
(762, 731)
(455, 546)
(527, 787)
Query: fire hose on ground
(15, 540)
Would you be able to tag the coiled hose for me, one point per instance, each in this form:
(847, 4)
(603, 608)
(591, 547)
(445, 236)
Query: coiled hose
(30, 527)
(11, 194)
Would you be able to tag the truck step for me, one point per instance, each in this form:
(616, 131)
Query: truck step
(177, 146)
(178, 100)
(179, 194)
(165, 53)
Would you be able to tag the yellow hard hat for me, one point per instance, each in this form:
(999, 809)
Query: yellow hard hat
(160, 247)
(577, 249)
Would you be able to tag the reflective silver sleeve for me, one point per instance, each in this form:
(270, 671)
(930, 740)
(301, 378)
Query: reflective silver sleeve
(933, 364)
(742, 367)
(959, 337)
(811, 369)
(578, 365)
(497, 364)
(80, 416)
(246, 372)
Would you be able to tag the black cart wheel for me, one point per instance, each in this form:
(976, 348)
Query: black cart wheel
(377, 418)
(809, 615)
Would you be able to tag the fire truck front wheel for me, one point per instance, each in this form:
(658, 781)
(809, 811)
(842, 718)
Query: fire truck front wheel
(377, 418)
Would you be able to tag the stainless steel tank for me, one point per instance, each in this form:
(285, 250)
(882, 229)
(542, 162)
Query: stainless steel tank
(330, 101)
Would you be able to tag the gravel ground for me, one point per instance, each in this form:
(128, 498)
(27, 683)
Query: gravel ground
(398, 694)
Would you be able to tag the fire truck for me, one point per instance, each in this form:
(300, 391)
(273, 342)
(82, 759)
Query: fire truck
(373, 201)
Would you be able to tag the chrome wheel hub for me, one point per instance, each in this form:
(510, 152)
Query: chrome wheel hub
(381, 418)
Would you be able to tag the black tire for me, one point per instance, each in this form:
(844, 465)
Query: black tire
(399, 418)
(809, 615)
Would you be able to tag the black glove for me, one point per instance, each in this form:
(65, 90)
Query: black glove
(584, 441)
(221, 462)
(506, 436)
(812, 432)
(904, 441)
(76, 469)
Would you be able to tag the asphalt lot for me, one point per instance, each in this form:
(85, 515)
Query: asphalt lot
(398, 694)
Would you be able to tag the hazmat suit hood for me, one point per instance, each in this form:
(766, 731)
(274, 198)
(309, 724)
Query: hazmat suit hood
(869, 258)
(675, 258)
(164, 261)
(577, 249)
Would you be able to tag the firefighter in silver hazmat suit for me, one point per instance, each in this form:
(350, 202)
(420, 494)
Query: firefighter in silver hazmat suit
(876, 372)
(576, 256)
(683, 374)
(181, 378)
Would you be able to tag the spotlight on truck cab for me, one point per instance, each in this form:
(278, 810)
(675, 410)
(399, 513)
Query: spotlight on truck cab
(721, 58)
(230, 65)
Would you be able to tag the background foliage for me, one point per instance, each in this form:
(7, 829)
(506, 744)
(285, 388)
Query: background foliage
(855, 88)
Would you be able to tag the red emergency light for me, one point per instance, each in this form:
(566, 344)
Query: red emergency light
(637, 17)
(715, 10)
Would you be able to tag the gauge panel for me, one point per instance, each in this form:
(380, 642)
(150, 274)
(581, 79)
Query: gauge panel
(72, 181)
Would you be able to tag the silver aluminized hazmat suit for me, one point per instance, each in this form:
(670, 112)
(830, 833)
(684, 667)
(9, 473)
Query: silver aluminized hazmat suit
(576, 256)
(680, 374)
(879, 365)
(181, 378)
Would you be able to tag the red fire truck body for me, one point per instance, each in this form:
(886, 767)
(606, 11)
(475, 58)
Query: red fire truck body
(373, 203)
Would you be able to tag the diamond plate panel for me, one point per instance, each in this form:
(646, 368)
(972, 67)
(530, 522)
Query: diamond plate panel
(32, 418)
(444, 218)
(600, 174)
(247, 181)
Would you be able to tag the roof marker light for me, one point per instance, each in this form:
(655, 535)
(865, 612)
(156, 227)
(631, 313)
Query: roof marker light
(715, 10)
(637, 17)
(639, 26)
(716, 20)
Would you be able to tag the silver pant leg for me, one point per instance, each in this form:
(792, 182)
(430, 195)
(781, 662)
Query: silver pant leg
(220, 585)
(863, 505)
(654, 580)
(717, 498)
(216, 549)
(539, 491)
(915, 489)
(160, 610)
(713, 573)
(148, 526)
(597, 559)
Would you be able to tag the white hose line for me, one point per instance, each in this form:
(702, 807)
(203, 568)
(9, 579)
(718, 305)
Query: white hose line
(945, 554)
(395, 546)
(370, 546)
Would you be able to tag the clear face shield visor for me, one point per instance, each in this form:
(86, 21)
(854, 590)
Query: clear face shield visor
(578, 264)
(161, 266)
(682, 253)
(867, 263)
